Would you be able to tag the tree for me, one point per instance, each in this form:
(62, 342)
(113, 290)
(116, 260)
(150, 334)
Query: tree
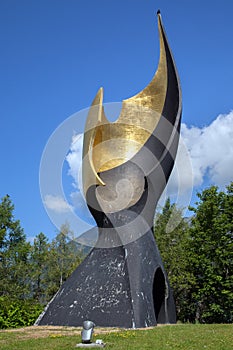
(39, 267)
(212, 255)
(172, 236)
(64, 256)
(14, 252)
(30, 274)
(11, 232)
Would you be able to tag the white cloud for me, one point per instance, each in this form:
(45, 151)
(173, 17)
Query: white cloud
(211, 150)
(56, 204)
(182, 175)
(74, 159)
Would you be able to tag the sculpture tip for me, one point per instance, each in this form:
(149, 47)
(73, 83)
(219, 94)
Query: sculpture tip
(158, 12)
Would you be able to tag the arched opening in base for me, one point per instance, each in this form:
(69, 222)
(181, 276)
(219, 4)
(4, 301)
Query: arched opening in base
(159, 293)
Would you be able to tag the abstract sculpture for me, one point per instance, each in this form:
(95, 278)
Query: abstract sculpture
(126, 165)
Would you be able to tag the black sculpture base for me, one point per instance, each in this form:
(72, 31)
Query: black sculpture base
(125, 286)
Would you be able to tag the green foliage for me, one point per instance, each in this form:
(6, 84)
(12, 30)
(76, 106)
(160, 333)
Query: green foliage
(212, 255)
(38, 265)
(172, 237)
(11, 233)
(30, 274)
(18, 313)
(64, 256)
(14, 253)
(198, 257)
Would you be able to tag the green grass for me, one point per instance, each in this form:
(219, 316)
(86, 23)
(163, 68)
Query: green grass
(182, 337)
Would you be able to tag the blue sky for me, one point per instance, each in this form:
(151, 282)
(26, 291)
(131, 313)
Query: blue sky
(55, 54)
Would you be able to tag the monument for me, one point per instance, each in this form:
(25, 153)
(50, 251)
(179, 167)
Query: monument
(126, 165)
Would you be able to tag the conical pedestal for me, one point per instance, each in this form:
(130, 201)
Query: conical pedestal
(124, 286)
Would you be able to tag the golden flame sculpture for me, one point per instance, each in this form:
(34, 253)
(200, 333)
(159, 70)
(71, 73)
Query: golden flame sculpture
(108, 145)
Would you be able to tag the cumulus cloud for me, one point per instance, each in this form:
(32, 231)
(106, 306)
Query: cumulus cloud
(56, 204)
(74, 159)
(211, 150)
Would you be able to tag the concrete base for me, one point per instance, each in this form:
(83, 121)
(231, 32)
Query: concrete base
(91, 345)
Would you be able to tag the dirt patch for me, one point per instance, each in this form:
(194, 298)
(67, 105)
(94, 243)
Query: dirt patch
(35, 332)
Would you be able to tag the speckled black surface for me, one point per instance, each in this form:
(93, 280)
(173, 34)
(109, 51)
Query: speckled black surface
(113, 287)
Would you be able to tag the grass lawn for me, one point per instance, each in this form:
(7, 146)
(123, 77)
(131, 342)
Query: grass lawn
(183, 337)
